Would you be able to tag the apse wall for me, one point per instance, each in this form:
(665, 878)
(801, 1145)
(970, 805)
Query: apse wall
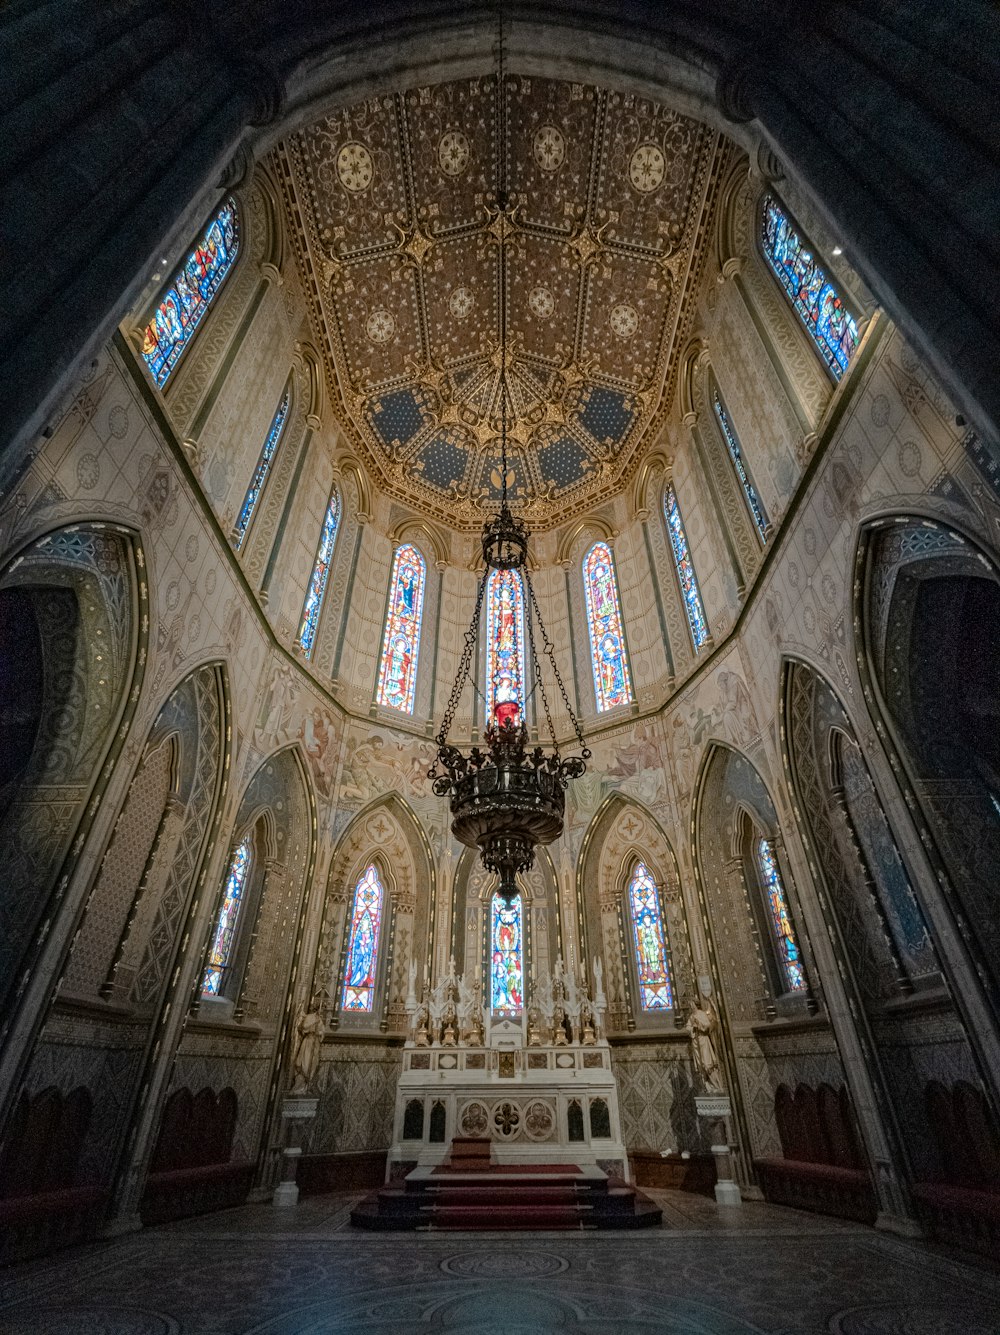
(705, 758)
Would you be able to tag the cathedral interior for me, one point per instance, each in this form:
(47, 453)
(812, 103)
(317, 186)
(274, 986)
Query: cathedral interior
(321, 293)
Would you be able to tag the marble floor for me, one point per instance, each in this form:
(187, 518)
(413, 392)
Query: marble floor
(258, 1271)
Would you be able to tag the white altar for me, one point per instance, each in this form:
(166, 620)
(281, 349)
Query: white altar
(539, 1083)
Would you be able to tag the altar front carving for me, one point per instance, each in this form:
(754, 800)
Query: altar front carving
(538, 1083)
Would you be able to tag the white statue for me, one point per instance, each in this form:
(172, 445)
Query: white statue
(704, 1033)
(308, 1046)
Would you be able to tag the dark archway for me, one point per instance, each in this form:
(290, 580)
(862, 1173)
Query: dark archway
(930, 650)
(901, 166)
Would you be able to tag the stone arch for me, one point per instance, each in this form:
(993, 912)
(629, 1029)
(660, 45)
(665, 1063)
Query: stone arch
(276, 812)
(151, 938)
(621, 833)
(388, 833)
(80, 607)
(474, 888)
(877, 929)
(927, 620)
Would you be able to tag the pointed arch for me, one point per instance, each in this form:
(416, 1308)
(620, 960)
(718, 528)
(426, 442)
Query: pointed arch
(608, 653)
(397, 674)
(505, 642)
(387, 834)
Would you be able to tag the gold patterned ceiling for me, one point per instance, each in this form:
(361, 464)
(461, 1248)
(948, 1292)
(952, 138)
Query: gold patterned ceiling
(408, 261)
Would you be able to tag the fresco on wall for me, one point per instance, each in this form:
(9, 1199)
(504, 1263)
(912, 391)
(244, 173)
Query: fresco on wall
(378, 761)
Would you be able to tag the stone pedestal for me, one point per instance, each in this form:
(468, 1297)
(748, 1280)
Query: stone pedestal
(296, 1112)
(716, 1110)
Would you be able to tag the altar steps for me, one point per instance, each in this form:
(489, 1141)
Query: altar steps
(508, 1200)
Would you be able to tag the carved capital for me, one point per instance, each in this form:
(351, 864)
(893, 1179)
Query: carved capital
(733, 94)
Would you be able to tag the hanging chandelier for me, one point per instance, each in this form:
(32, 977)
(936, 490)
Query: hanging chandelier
(507, 799)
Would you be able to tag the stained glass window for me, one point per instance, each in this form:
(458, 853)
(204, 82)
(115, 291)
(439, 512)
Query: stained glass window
(754, 503)
(604, 620)
(685, 569)
(397, 674)
(189, 294)
(225, 925)
(263, 468)
(655, 993)
(506, 957)
(321, 571)
(817, 302)
(504, 640)
(362, 947)
(781, 922)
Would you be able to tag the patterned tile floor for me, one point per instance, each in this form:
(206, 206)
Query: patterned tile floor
(257, 1271)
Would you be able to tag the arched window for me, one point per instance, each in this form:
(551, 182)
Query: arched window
(321, 571)
(263, 468)
(815, 299)
(504, 641)
(397, 674)
(189, 294)
(655, 992)
(506, 956)
(362, 945)
(224, 935)
(612, 682)
(685, 569)
(781, 922)
(754, 504)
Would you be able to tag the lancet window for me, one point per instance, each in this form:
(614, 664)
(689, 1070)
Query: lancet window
(685, 569)
(504, 641)
(362, 946)
(223, 938)
(813, 295)
(781, 921)
(189, 294)
(608, 659)
(655, 992)
(397, 675)
(313, 604)
(754, 504)
(506, 956)
(263, 468)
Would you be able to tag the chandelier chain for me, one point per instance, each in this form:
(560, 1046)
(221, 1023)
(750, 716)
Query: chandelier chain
(465, 665)
(548, 648)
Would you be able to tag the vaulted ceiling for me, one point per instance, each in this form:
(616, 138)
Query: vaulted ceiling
(414, 276)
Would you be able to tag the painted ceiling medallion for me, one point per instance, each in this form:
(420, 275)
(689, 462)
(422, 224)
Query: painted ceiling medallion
(391, 205)
(624, 320)
(461, 302)
(355, 168)
(647, 168)
(549, 148)
(542, 302)
(453, 153)
(380, 326)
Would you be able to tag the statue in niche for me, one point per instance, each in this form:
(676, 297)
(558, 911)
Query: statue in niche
(704, 1040)
(308, 1046)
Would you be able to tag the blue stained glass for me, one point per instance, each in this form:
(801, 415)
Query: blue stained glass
(608, 660)
(397, 675)
(189, 294)
(362, 948)
(261, 471)
(225, 925)
(817, 302)
(685, 569)
(781, 922)
(506, 957)
(321, 572)
(504, 640)
(655, 993)
(756, 506)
